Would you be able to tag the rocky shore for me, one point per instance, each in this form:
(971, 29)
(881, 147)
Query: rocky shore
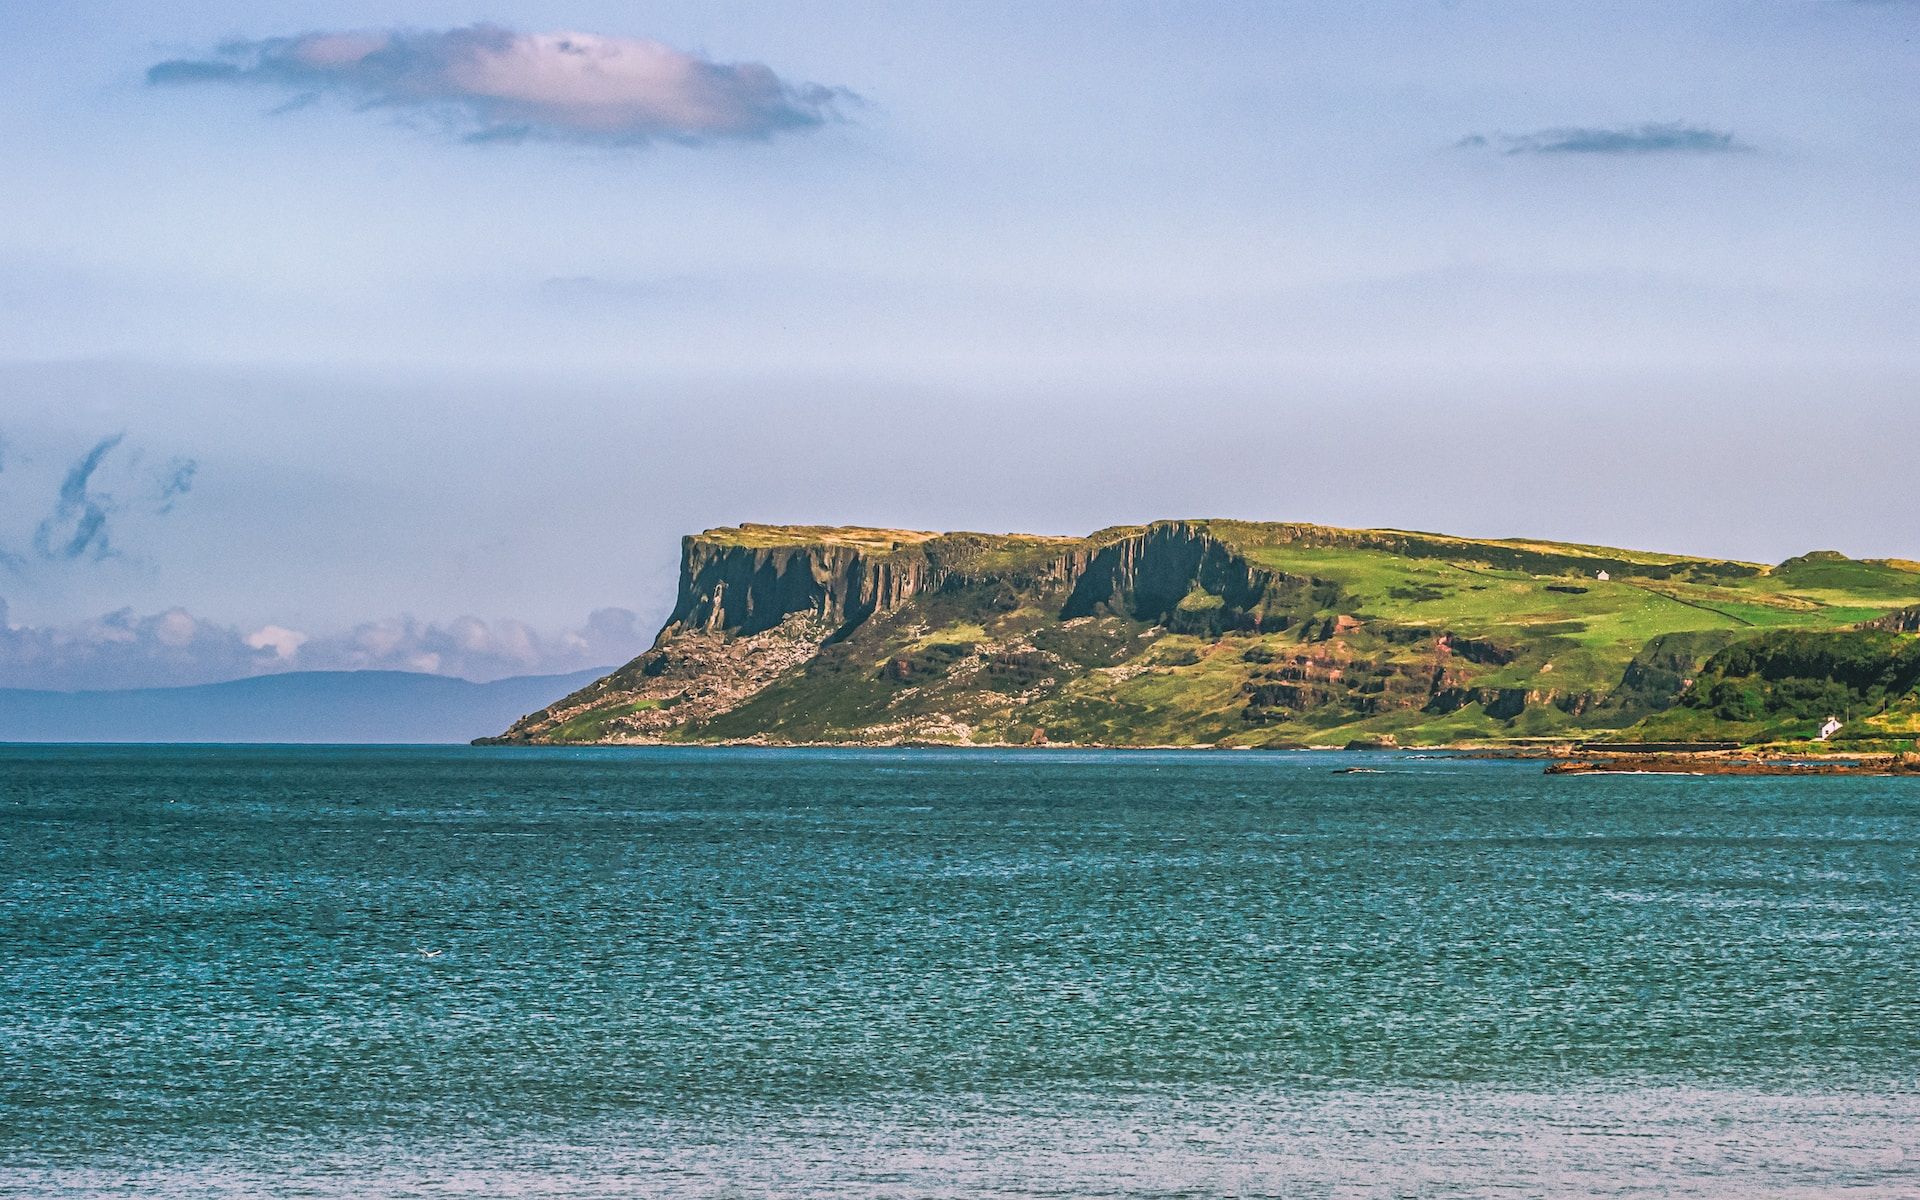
(1737, 764)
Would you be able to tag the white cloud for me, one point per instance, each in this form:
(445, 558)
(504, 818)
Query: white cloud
(282, 641)
(497, 84)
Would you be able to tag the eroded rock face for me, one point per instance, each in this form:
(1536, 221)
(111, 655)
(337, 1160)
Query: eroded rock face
(1502, 704)
(1906, 620)
(743, 589)
(1148, 575)
(749, 589)
(1479, 650)
(1326, 676)
(690, 675)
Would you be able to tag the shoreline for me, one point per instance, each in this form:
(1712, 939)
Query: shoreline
(1739, 763)
(1561, 758)
(1465, 750)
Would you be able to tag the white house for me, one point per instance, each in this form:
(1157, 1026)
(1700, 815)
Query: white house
(1829, 729)
(1602, 576)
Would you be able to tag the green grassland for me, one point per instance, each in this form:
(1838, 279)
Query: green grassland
(1780, 686)
(1354, 635)
(781, 536)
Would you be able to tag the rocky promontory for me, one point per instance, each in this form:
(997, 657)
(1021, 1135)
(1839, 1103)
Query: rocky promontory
(1206, 633)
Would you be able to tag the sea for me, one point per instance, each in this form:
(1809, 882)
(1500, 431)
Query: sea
(665, 972)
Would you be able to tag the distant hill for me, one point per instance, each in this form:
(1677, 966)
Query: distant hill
(299, 706)
(1237, 633)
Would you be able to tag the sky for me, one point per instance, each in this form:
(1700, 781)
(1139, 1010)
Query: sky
(416, 334)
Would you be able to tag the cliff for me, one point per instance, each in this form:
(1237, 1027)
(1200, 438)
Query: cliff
(1188, 632)
(745, 589)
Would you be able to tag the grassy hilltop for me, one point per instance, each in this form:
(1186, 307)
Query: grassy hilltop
(1245, 634)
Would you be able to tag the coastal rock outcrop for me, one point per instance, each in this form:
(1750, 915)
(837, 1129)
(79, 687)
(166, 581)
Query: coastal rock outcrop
(1231, 633)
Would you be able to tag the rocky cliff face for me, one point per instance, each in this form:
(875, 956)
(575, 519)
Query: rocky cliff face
(1906, 620)
(745, 589)
(729, 587)
(1179, 574)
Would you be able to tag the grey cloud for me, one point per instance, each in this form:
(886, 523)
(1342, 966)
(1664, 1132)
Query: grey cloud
(77, 527)
(188, 71)
(492, 84)
(1667, 138)
(175, 648)
(8, 558)
(98, 498)
(176, 482)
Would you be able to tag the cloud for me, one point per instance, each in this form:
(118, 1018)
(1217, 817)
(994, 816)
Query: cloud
(475, 649)
(77, 527)
(176, 482)
(8, 558)
(283, 642)
(176, 648)
(97, 497)
(120, 650)
(491, 84)
(1668, 138)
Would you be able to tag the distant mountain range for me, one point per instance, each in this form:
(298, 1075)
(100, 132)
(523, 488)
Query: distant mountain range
(299, 706)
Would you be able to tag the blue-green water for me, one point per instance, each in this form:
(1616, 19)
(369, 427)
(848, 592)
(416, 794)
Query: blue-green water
(377, 972)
